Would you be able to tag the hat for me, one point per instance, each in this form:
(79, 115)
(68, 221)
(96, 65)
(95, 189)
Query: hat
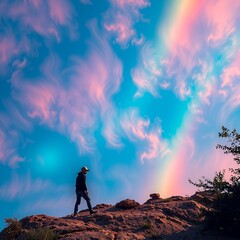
(85, 168)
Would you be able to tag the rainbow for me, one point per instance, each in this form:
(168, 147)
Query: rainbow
(177, 32)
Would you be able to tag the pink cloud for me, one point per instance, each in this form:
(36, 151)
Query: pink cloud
(143, 81)
(138, 3)
(2, 140)
(75, 109)
(231, 103)
(223, 26)
(15, 118)
(231, 72)
(147, 76)
(60, 11)
(56, 205)
(31, 16)
(154, 144)
(40, 99)
(36, 96)
(8, 151)
(112, 131)
(12, 123)
(10, 50)
(156, 71)
(133, 125)
(138, 41)
(187, 49)
(97, 84)
(141, 131)
(20, 186)
(20, 63)
(7, 48)
(39, 17)
(122, 28)
(121, 17)
(187, 42)
(206, 93)
(15, 160)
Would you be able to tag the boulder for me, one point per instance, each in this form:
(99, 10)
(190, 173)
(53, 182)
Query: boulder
(102, 205)
(127, 204)
(154, 195)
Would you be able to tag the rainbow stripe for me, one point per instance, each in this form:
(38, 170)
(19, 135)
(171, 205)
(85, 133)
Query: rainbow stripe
(177, 33)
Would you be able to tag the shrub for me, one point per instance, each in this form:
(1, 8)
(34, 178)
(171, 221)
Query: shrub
(226, 213)
(13, 228)
(40, 234)
(146, 225)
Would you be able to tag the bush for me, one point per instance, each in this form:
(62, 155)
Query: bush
(146, 225)
(14, 231)
(225, 215)
(40, 234)
(13, 228)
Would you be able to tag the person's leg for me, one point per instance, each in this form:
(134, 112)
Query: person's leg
(78, 201)
(88, 200)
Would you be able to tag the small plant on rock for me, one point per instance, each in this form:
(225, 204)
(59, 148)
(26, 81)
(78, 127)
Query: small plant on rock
(40, 234)
(146, 225)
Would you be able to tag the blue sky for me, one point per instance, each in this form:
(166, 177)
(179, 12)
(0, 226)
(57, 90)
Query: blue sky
(135, 90)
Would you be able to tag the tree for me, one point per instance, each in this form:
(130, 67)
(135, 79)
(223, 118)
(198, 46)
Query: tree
(225, 215)
(233, 148)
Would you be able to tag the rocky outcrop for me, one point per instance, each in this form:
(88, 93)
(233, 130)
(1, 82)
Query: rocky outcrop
(127, 204)
(154, 195)
(171, 218)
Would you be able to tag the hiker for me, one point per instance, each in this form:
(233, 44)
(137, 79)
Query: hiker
(81, 191)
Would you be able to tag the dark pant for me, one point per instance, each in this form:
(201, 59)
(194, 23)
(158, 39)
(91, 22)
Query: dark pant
(79, 195)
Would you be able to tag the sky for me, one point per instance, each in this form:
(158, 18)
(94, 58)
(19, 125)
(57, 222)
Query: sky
(136, 90)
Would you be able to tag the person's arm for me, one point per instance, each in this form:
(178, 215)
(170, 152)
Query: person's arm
(85, 185)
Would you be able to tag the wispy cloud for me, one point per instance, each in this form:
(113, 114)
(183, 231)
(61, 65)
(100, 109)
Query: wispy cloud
(121, 18)
(198, 63)
(42, 17)
(10, 49)
(147, 135)
(75, 109)
(148, 74)
(231, 73)
(57, 206)
(188, 66)
(221, 28)
(9, 139)
(75, 87)
(231, 104)
(32, 18)
(19, 186)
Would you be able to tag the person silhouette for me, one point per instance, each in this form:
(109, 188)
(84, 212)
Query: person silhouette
(81, 191)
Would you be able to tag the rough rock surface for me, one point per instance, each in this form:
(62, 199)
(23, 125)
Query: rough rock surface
(127, 204)
(155, 195)
(171, 218)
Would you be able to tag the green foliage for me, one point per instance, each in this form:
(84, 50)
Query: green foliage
(14, 231)
(226, 214)
(233, 138)
(152, 231)
(40, 234)
(13, 228)
(146, 225)
(217, 185)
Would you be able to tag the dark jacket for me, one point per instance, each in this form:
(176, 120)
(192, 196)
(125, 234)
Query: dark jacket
(81, 182)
